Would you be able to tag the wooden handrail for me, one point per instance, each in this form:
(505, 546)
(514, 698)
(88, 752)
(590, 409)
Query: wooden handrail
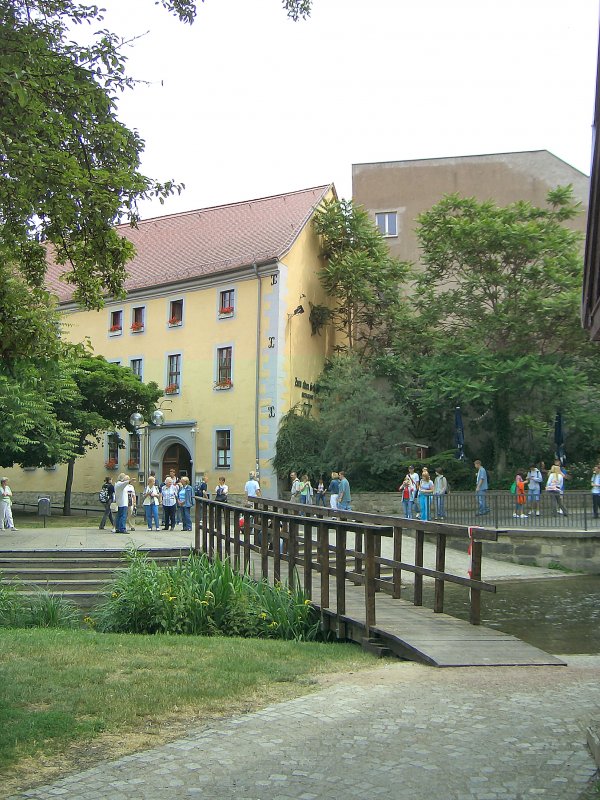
(276, 537)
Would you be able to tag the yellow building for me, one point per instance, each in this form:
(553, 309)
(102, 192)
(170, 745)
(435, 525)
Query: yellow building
(217, 313)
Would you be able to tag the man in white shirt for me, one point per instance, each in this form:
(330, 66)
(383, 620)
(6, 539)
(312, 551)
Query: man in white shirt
(122, 501)
(252, 488)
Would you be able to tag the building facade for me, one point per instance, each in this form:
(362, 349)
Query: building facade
(396, 192)
(217, 313)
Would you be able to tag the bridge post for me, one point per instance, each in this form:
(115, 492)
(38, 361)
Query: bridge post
(340, 578)
(440, 565)
(369, 577)
(292, 551)
(419, 541)
(276, 543)
(264, 545)
(247, 542)
(323, 548)
(397, 556)
(308, 543)
(476, 552)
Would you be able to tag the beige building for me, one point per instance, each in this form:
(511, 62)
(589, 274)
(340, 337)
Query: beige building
(217, 312)
(396, 192)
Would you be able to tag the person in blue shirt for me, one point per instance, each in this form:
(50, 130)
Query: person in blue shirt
(596, 491)
(481, 487)
(344, 496)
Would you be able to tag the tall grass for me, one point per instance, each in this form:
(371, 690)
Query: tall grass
(202, 597)
(39, 610)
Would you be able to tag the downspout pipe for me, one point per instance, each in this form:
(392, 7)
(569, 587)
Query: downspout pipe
(257, 377)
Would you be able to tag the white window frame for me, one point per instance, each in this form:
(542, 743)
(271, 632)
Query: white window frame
(386, 217)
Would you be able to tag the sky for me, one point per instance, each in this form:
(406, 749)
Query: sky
(246, 103)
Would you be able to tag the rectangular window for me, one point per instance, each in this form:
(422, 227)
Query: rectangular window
(112, 450)
(137, 319)
(223, 449)
(136, 365)
(226, 303)
(387, 222)
(175, 312)
(173, 374)
(224, 355)
(134, 450)
(116, 322)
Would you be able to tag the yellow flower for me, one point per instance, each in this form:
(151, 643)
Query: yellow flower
(115, 594)
(263, 615)
(307, 602)
(274, 624)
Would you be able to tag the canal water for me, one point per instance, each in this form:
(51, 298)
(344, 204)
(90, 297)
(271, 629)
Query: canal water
(558, 615)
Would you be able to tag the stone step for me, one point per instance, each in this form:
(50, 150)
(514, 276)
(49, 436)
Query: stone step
(37, 574)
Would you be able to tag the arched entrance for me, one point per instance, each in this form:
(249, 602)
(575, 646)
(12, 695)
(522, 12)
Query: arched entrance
(177, 457)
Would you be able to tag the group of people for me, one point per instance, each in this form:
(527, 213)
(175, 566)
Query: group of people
(174, 495)
(421, 489)
(338, 488)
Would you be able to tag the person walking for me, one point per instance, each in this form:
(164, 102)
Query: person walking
(6, 517)
(596, 491)
(555, 488)
(440, 490)
(305, 490)
(151, 502)
(334, 488)
(185, 501)
(344, 496)
(519, 497)
(407, 494)
(169, 503)
(131, 507)
(122, 501)
(320, 498)
(481, 488)
(295, 488)
(106, 496)
(534, 481)
(252, 488)
(426, 488)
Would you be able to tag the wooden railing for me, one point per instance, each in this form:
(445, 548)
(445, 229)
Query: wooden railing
(302, 537)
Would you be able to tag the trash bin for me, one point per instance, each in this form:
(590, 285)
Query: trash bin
(44, 508)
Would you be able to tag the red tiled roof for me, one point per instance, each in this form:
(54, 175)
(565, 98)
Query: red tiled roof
(191, 244)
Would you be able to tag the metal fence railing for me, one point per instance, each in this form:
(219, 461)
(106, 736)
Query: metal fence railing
(461, 508)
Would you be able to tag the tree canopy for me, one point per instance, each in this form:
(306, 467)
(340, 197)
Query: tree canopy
(360, 276)
(497, 326)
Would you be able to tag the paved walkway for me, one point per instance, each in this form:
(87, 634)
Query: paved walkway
(402, 731)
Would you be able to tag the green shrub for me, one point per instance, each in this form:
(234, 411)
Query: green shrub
(12, 609)
(48, 610)
(197, 596)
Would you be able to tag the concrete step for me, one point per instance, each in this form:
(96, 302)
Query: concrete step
(36, 574)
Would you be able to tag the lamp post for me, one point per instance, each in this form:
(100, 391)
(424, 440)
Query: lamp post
(139, 424)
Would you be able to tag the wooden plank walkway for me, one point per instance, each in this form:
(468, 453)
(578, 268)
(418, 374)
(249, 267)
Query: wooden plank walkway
(417, 633)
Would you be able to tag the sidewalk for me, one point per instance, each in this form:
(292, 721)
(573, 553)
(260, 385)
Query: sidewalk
(401, 732)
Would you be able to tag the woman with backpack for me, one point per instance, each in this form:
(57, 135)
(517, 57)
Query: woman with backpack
(106, 496)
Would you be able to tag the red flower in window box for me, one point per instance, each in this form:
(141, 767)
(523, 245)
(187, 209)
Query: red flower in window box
(226, 310)
(175, 321)
(137, 326)
(115, 328)
(133, 462)
(172, 388)
(112, 463)
(224, 383)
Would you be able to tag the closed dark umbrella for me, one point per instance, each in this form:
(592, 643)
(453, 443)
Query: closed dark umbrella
(559, 439)
(459, 434)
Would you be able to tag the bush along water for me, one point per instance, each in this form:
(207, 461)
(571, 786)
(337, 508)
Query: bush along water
(203, 597)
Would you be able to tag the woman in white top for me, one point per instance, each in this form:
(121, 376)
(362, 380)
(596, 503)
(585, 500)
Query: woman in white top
(169, 502)
(151, 501)
(555, 486)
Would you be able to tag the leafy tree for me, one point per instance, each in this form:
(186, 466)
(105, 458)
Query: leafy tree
(364, 428)
(299, 446)
(108, 395)
(498, 325)
(360, 275)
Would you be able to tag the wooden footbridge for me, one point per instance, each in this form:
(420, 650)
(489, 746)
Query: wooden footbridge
(360, 592)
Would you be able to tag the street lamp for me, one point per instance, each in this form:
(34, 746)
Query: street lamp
(138, 423)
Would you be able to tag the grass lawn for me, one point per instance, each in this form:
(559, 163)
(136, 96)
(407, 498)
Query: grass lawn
(68, 698)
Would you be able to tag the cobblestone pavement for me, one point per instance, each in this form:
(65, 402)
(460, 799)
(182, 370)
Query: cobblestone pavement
(400, 731)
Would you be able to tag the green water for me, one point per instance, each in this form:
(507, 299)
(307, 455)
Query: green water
(561, 615)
